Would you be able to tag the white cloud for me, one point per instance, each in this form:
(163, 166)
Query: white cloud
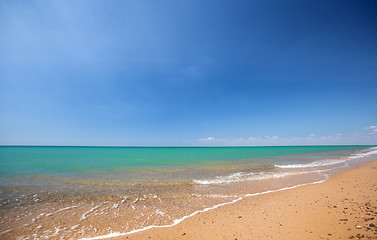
(208, 139)
(266, 140)
(312, 139)
(372, 130)
(369, 137)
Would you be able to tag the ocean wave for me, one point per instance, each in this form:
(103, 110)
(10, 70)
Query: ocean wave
(369, 151)
(322, 163)
(242, 176)
(328, 162)
(252, 176)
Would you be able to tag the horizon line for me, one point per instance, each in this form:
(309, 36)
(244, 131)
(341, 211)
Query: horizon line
(155, 146)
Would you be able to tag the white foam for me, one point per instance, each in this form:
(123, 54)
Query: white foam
(328, 162)
(6, 231)
(241, 176)
(74, 227)
(159, 212)
(215, 196)
(63, 209)
(369, 151)
(235, 177)
(83, 217)
(177, 221)
(322, 163)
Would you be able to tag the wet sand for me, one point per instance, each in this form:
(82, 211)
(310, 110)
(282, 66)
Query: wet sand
(343, 207)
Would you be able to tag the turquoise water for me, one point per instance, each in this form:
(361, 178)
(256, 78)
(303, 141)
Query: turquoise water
(19, 160)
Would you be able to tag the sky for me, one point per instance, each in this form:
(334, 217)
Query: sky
(188, 73)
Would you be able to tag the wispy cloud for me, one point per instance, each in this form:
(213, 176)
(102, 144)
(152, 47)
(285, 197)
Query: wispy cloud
(267, 140)
(372, 129)
(311, 139)
(208, 139)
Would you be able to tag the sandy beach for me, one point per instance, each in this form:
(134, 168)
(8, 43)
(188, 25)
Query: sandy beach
(343, 207)
(311, 206)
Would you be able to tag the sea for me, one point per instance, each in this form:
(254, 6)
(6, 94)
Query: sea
(85, 192)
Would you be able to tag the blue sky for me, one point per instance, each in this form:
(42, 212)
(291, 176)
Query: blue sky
(173, 73)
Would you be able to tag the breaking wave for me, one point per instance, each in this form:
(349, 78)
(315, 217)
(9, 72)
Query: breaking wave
(328, 162)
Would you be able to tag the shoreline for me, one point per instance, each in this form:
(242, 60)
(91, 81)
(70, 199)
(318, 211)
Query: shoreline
(334, 209)
(178, 221)
(104, 215)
